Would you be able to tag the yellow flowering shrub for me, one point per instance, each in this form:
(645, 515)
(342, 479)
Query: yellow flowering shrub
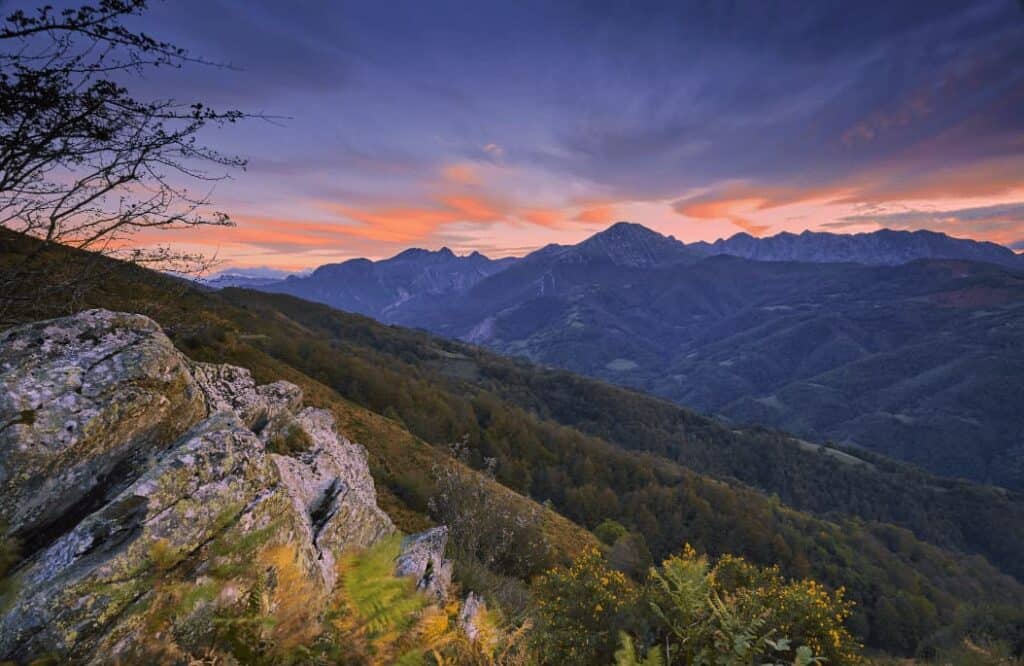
(803, 611)
(735, 612)
(581, 609)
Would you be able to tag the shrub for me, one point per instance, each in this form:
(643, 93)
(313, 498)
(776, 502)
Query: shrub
(289, 440)
(581, 609)
(610, 531)
(736, 613)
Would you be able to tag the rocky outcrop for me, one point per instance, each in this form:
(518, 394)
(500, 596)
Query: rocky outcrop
(83, 401)
(142, 473)
(230, 388)
(330, 485)
(421, 556)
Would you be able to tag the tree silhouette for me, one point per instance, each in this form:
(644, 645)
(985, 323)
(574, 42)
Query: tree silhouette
(85, 163)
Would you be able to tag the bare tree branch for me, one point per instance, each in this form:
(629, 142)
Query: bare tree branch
(82, 161)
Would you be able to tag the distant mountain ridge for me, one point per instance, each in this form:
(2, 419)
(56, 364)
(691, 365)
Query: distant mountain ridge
(885, 247)
(225, 280)
(393, 289)
(381, 289)
(631, 244)
(249, 277)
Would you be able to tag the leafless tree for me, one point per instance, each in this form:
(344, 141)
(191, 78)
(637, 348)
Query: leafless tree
(83, 162)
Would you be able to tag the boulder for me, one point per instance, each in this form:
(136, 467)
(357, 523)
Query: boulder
(76, 591)
(421, 556)
(83, 400)
(229, 387)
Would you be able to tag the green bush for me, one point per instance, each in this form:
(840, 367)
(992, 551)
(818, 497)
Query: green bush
(609, 531)
(689, 611)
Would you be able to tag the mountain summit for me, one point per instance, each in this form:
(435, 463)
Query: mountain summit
(631, 244)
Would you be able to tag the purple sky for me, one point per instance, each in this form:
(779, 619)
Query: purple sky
(503, 126)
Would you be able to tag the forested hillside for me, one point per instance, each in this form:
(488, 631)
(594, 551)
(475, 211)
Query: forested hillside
(822, 480)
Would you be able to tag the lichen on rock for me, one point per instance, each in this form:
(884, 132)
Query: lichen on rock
(82, 399)
(140, 466)
(229, 387)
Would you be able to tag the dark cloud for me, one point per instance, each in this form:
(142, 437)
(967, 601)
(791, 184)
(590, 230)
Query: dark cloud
(642, 98)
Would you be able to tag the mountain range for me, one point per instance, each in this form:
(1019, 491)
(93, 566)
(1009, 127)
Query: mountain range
(885, 247)
(383, 289)
(413, 279)
(905, 343)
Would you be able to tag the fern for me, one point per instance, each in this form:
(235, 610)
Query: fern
(384, 618)
(626, 654)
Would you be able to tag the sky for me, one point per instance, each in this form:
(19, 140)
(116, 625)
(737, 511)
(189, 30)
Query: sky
(504, 126)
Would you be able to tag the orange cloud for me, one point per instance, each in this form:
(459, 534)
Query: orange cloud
(462, 174)
(417, 223)
(393, 225)
(596, 215)
(908, 178)
(543, 217)
(277, 234)
(474, 208)
(723, 210)
(736, 203)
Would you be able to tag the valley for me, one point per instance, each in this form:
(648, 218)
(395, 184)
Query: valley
(918, 360)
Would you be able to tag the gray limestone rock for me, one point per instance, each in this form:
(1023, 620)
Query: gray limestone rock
(82, 400)
(422, 556)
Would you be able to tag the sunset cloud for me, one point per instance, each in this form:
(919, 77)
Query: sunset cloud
(462, 174)
(543, 217)
(415, 133)
(737, 204)
(474, 208)
(1002, 223)
(596, 215)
